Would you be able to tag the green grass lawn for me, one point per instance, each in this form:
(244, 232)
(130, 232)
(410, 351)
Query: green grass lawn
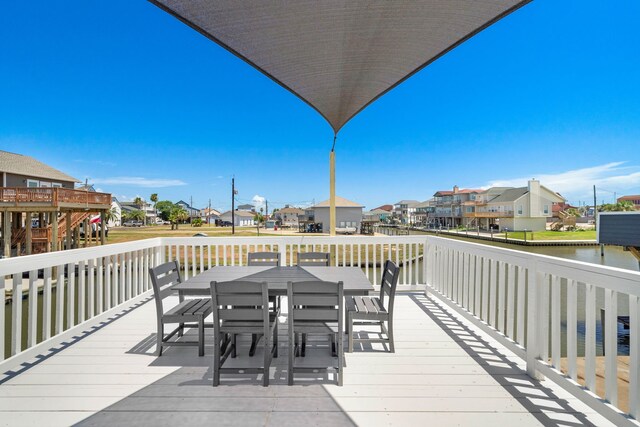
(128, 234)
(554, 235)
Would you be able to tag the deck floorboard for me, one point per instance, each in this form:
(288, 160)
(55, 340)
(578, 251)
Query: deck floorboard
(445, 372)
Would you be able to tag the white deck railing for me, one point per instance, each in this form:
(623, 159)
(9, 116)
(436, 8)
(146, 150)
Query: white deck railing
(522, 299)
(519, 298)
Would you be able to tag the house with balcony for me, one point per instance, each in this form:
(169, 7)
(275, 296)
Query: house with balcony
(404, 211)
(424, 211)
(40, 209)
(522, 208)
(452, 208)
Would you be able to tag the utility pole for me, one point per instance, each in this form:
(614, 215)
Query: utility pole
(190, 209)
(595, 210)
(233, 205)
(209, 213)
(266, 214)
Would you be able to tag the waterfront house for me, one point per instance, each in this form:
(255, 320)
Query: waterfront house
(41, 210)
(377, 215)
(404, 210)
(348, 214)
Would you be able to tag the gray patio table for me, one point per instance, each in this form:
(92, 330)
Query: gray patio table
(354, 279)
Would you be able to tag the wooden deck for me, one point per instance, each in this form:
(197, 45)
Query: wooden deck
(444, 372)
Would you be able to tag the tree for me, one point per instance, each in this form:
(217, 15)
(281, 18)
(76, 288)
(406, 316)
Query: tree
(138, 201)
(258, 218)
(623, 206)
(164, 208)
(136, 215)
(111, 215)
(177, 215)
(154, 199)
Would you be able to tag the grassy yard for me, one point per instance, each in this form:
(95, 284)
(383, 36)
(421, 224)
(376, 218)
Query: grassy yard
(128, 234)
(554, 235)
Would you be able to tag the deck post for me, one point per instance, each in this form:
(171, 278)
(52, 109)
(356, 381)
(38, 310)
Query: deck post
(54, 231)
(87, 233)
(76, 237)
(28, 234)
(6, 233)
(67, 225)
(102, 227)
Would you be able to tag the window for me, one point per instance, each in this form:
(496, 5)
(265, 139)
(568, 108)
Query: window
(33, 183)
(520, 210)
(546, 209)
(56, 185)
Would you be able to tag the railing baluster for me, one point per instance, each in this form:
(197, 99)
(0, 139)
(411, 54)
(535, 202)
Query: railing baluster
(555, 322)
(522, 298)
(511, 300)
(46, 305)
(71, 292)
(99, 286)
(201, 258)
(194, 267)
(81, 291)
(16, 313)
(60, 299)
(590, 339)
(208, 257)
(543, 322)
(91, 297)
(122, 282)
(493, 285)
(477, 284)
(233, 255)
(135, 274)
(32, 315)
(502, 300)
(572, 329)
(611, 346)
(485, 289)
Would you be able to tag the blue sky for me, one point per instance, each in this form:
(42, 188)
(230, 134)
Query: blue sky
(123, 94)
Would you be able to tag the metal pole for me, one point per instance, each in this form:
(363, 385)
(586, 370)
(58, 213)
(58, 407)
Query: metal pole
(332, 193)
(595, 217)
(233, 205)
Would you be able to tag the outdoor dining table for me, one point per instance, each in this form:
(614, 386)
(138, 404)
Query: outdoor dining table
(354, 280)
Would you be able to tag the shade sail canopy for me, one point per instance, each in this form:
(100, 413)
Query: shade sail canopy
(339, 56)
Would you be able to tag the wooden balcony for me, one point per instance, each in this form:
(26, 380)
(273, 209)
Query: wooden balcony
(44, 199)
(489, 215)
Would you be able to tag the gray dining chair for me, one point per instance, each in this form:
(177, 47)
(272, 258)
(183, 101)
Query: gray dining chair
(268, 259)
(363, 310)
(313, 259)
(163, 277)
(315, 307)
(242, 307)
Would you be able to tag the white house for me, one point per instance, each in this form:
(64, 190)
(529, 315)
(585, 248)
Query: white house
(241, 218)
(288, 217)
(405, 210)
(117, 210)
(522, 208)
(348, 214)
(209, 216)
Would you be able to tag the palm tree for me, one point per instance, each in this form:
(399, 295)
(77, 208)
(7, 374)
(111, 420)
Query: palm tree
(622, 206)
(136, 215)
(154, 199)
(111, 215)
(177, 215)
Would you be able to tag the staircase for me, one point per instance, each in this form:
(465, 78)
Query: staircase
(41, 237)
(564, 220)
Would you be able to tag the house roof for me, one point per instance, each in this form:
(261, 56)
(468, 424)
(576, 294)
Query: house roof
(240, 214)
(211, 211)
(341, 202)
(387, 208)
(424, 204)
(407, 202)
(245, 206)
(630, 198)
(296, 211)
(24, 165)
(377, 211)
(510, 195)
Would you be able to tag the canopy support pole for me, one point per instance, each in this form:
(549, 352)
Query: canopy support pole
(332, 189)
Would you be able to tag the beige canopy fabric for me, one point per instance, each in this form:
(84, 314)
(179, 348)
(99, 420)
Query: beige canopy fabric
(339, 56)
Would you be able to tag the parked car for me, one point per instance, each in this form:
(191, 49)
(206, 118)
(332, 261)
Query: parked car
(133, 224)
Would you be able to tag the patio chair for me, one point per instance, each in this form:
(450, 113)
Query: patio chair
(371, 311)
(264, 258)
(242, 307)
(315, 307)
(313, 259)
(269, 259)
(163, 277)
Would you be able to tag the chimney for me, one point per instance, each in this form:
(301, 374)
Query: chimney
(455, 189)
(534, 198)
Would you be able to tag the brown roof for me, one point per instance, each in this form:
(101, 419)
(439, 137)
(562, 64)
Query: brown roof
(341, 202)
(296, 211)
(24, 165)
(387, 208)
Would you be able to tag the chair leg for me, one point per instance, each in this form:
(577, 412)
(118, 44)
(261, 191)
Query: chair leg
(233, 348)
(340, 358)
(392, 348)
(350, 331)
(159, 335)
(292, 347)
(265, 362)
(275, 340)
(254, 344)
(201, 337)
(181, 330)
(303, 345)
(216, 360)
(332, 337)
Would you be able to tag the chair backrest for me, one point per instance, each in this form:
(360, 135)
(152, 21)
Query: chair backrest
(316, 301)
(241, 301)
(313, 259)
(163, 277)
(264, 258)
(389, 282)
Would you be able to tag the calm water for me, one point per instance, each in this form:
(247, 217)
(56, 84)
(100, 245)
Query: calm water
(614, 256)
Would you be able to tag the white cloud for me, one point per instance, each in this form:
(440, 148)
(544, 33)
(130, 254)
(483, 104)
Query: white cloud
(577, 185)
(136, 181)
(258, 201)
